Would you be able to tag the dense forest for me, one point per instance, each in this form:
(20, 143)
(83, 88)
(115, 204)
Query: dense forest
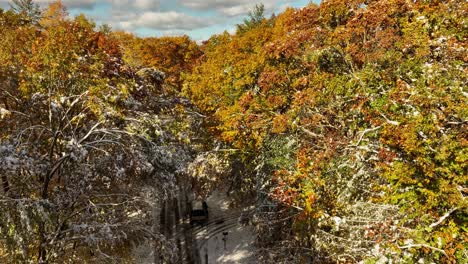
(344, 124)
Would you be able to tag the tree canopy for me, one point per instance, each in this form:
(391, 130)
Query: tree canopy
(88, 145)
(352, 115)
(343, 124)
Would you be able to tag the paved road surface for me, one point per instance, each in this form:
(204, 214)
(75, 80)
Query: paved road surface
(222, 240)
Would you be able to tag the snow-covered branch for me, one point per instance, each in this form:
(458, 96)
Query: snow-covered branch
(424, 245)
(445, 216)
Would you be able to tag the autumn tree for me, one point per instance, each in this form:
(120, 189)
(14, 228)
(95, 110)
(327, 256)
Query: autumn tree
(85, 149)
(172, 55)
(344, 123)
(354, 112)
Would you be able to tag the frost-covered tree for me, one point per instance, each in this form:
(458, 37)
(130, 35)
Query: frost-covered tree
(87, 145)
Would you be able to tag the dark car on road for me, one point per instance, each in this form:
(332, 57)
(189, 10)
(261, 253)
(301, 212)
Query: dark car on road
(199, 213)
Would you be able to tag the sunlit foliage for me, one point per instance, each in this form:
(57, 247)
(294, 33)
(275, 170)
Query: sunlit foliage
(370, 97)
(171, 55)
(345, 123)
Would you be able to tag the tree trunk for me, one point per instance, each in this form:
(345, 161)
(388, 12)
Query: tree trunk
(5, 184)
(42, 257)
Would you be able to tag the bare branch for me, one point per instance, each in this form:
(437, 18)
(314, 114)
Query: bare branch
(310, 133)
(443, 218)
(424, 245)
(363, 133)
(89, 132)
(391, 122)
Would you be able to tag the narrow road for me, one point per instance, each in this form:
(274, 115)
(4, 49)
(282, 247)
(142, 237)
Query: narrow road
(223, 240)
(220, 240)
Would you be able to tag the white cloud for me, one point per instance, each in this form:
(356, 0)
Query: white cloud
(236, 10)
(164, 21)
(135, 4)
(232, 7)
(212, 4)
(246, 8)
(84, 4)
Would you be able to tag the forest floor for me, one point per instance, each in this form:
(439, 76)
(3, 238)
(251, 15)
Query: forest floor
(223, 240)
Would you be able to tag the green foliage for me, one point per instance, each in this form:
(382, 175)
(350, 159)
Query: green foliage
(256, 17)
(28, 8)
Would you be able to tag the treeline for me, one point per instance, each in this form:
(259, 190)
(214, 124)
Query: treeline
(345, 124)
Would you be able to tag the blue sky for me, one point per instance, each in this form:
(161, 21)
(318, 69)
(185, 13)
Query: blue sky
(197, 18)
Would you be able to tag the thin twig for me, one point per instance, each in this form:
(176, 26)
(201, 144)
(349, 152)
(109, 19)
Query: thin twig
(443, 218)
(426, 246)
